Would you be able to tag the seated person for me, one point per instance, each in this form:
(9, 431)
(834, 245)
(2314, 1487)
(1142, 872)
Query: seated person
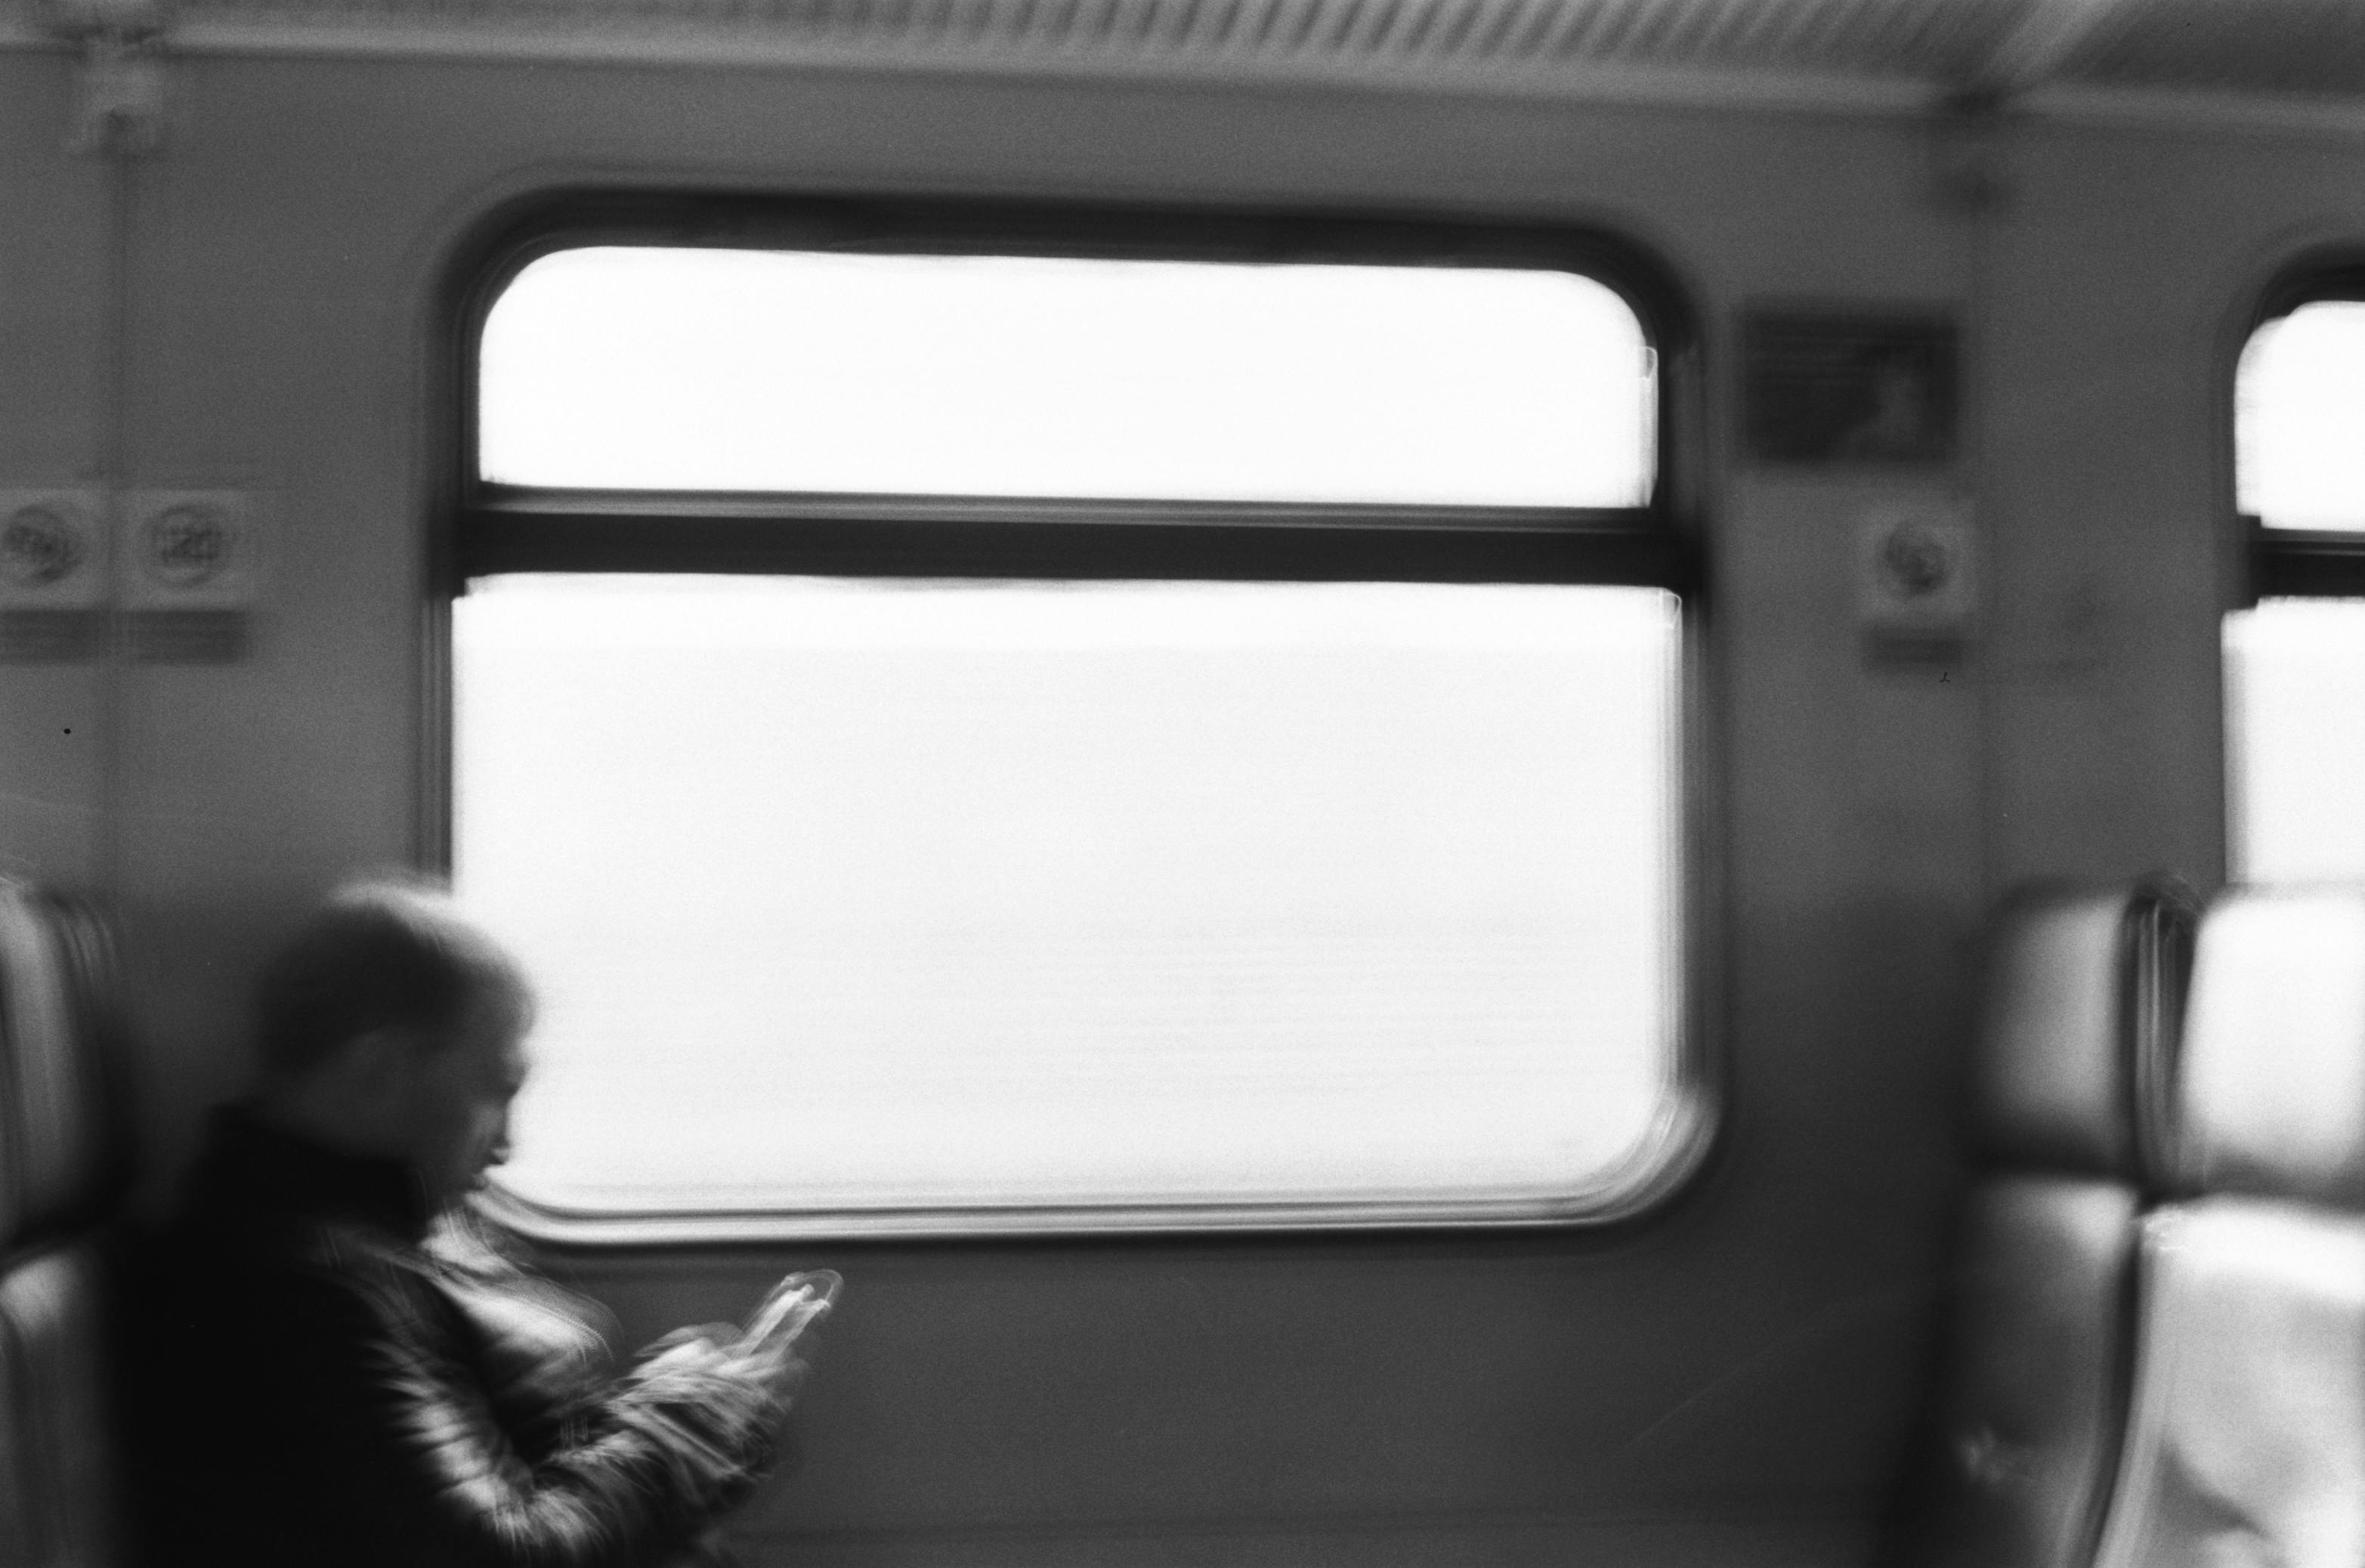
(330, 1361)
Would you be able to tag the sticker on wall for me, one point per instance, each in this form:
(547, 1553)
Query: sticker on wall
(191, 549)
(1843, 389)
(189, 571)
(52, 555)
(1917, 580)
(53, 581)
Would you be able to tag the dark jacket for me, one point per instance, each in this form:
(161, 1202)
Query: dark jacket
(319, 1372)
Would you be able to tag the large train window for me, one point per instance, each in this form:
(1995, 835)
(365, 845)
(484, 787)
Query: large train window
(2295, 659)
(1076, 722)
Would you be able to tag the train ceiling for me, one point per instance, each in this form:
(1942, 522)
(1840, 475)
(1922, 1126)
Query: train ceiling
(2172, 57)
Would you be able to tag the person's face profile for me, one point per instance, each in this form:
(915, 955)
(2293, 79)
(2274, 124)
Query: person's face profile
(461, 1090)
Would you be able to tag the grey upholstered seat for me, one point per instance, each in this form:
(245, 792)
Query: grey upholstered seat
(56, 1505)
(2246, 1438)
(2076, 1030)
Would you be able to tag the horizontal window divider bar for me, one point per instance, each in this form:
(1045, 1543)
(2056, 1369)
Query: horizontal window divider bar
(866, 506)
(2303, 563)
(1013, 540)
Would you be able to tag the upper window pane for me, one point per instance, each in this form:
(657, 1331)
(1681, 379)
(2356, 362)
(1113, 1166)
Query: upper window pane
(672, 368)
(2299, 401)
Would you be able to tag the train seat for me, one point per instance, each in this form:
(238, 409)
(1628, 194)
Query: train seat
(59, 1172)
(2076, 1025)
(2247, 1433)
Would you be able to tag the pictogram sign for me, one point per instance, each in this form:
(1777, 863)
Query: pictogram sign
(190, 549)
(52, 556)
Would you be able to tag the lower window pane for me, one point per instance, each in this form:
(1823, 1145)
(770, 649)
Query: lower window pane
(2295, 740)
(852, 895)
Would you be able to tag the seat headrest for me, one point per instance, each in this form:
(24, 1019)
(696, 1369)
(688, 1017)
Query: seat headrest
(54, 1148)
(2272, 1098)
(2076, 1024)
(58, 1505)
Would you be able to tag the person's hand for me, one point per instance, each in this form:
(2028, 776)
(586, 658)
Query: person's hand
(697, 1343)
(773, 1364)
(768, 1352)
(793, 1303)
(724, 1350)
(765, 1355)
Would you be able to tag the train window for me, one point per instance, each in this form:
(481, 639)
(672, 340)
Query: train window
(969, 739)
(632, 368)
(2295, 661)
(2299, 400)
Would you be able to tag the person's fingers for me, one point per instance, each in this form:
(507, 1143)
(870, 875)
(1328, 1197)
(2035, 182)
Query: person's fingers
(706, 1335)
(801, 1316)
(775, 1364)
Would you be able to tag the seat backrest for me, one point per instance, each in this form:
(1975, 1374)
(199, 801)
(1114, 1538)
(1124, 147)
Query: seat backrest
(57, 1499)
(2076, 1030)
(58, 1152)
(2272, 1092)
(58, 1171)
(2246, 1435)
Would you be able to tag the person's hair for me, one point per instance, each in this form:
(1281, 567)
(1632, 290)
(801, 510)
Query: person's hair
(378, 954)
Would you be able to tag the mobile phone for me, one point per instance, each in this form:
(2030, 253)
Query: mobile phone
(807, 1294)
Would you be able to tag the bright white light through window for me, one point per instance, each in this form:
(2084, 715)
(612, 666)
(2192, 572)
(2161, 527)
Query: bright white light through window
(2295, 667)
(2295, 740)
(870, 895)
(618, 368)
(2299, 419)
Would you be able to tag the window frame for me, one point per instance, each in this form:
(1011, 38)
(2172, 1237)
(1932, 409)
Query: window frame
(2265, 563)
(2291, 563)
(483, 528)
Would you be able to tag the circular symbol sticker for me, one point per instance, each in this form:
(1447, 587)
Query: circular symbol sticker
(39, 545)
(1915, 560)
(190, 543)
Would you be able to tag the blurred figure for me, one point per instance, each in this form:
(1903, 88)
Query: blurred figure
(331, 1361)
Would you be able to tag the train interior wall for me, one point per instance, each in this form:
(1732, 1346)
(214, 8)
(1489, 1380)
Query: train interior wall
(252, 305)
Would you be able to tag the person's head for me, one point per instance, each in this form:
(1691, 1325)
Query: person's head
(388, 1025)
